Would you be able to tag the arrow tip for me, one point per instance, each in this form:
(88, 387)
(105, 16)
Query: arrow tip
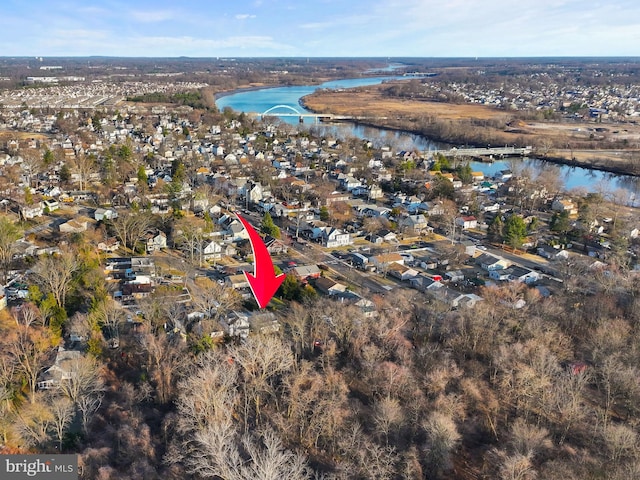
(264, 288)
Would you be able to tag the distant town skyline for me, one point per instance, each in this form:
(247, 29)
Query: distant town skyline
(320, 28)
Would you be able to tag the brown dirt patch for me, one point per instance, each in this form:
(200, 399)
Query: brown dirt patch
(16, 135)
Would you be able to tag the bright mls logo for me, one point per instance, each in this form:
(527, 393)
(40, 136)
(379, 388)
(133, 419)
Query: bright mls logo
(50, 467)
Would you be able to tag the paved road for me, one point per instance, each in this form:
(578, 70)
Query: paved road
(314, 254)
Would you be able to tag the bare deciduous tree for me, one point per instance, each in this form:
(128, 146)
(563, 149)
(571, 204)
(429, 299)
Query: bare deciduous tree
(621, 441)
(528, 440)
(388, 417)
(213, 299)
(84, 166)
(83, 379)
(514, 467)
(62, 413)
(129, 228)
(442, 438)
(262, 361)
(28, 315)
(55, 272)
(110, 315)
(34, 423)
(9, 233)
(30, 350)
(87, 405)
(165, 358)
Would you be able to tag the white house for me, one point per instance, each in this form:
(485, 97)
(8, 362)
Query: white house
(28, 212)
(467, 222)
(214, 251)
(104, 214)
(236, 324)
(564, 206)
(331, 237)
(156, 241)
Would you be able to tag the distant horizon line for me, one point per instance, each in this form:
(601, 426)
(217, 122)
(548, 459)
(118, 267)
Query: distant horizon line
(384, 57)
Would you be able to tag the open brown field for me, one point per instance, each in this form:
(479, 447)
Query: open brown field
(368, 101)
(6, 135)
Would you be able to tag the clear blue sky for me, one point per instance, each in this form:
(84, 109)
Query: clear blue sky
(283, 28)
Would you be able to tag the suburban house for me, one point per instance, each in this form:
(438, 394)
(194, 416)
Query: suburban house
(489, 262)
(109, 245)
(62, 369)
(401, 272)
(564, 206)
(337, 197)
(104, 214)
(214, 250)
(306, 272)
(456, 299)
(358, 260)
(329, 287)
(467, 222)
(415, 223)
(238, 281)
(552, 253)
(236, 324)
(367, 307)
(331, 237)
(503, 175)
(387, 236)
(383, 261)
(455, 276)
(236, 231)
(375, 211)
(469, 247)
(348, 183)
(263, 322)
(28, 212)
(477, 177)
(78, 225)
(500, 275)
(275, 246)
(523, 274)
(51, 205)
(156, 241)
(425, 284)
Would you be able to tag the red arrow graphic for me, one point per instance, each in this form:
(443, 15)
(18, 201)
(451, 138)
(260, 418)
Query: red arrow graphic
(264, 281)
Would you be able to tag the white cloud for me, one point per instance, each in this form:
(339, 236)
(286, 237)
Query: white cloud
(185, 45)
(244, 16)
(153, 16)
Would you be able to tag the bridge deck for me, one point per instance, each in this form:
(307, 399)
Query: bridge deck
(481, 152)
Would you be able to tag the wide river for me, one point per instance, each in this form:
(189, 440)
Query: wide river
(261, 100)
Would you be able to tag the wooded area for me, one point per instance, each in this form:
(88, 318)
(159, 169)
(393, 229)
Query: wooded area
(419, 391)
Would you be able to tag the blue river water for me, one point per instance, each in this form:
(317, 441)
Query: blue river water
(261, 100)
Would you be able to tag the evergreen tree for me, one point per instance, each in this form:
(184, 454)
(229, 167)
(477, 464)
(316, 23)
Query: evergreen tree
(464, 173)
(48, 157)
(142, 175)
(560, 222)
(515, 231)
(65, 173)
(496, 229)
(268, 227)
